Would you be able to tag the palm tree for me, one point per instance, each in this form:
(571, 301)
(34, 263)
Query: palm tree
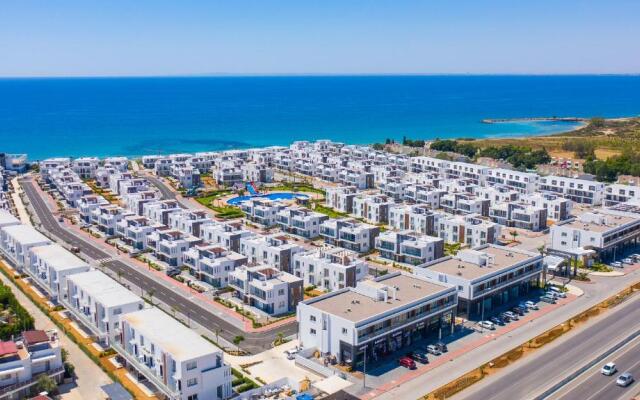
(237, 340)
(120, 273)
(150, 293)
(279, 338)
(514, 235)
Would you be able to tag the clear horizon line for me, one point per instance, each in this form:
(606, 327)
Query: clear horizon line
(310, 74)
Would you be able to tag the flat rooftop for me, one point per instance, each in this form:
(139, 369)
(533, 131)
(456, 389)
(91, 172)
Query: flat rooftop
(612, 222)
(104, 289)
(25, 234)
(58, 257)
(354, 306)
(503, 258)
(7, 219)
(163, 331)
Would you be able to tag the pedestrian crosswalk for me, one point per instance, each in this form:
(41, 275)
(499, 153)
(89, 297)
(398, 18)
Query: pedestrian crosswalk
(104, 260)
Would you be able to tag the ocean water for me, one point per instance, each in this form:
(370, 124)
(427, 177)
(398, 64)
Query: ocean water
(134, 116)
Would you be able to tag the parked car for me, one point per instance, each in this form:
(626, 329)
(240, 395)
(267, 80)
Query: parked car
(625, 379)
(442, 346)
(616, 264)
(291, 354)
(531, 305)
(518, 311)
(407, 362)
(497, 320)
(512, 316)
(636, 257)
(608, 369)
(552, 294)
(173, 272)
(61, 219)
(75, 249)
(433, 349)
(419, 357)
(487, 325)
(548, 299)
(524, 306)
(628, 261)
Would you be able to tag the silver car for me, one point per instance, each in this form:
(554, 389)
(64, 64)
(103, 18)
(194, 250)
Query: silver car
(624, 380)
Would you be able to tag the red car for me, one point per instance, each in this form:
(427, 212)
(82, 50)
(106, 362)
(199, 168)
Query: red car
(407, 362)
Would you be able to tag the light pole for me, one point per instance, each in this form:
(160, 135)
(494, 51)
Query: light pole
(364, 367)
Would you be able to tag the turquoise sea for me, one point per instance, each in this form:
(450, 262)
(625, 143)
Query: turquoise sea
(134, 116)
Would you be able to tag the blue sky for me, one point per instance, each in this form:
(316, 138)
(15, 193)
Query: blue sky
(140, 37)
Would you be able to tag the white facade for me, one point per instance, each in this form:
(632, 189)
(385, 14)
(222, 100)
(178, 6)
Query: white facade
(581, 191)
(17, 240)
(212, 264)
(329, 269)
(174, 357)
(51, 265)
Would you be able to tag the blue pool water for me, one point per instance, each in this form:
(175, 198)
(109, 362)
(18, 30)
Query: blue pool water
(137, 116)
(272, 196)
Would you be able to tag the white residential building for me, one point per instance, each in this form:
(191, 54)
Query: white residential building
(373, 208)
(558, 208)
(88, 204)
(301, 221)
(190, 222)
(341, 198)
(99, 302)
(267, 289)
(519, 215)
(418, 218)
(169, 245)
(134, 230)
(409, 247)
(51, 264)
(523, 182)
(227, 234)
(274, 250)
(349, 234)
(173, 357)
(329, 269)
(581, 191)
(159, 211)
(262, 211)
(85, 167)
(616, 193)
(470, 230)
(17, 240)
(212, 263)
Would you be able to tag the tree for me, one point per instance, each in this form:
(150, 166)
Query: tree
(46, 384)
(279, 339)
(237, 340)
(514, 235)
(120, 273)
(150, 293)
(597, 122)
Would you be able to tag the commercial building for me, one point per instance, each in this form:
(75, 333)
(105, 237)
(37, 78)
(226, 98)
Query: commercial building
(486, 277)
(376, 318)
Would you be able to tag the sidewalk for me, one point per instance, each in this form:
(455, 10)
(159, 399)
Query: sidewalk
(17, 201)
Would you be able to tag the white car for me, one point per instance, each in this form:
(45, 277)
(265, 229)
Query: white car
(624, 380)
(616, 264)
(487, 325)
(608, 369)
(627, 261)
(531, 305)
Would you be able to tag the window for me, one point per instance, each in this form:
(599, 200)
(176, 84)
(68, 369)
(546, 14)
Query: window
(344, 331)
(312, 331)
(312, 318)
(192, 365)
(192, 382)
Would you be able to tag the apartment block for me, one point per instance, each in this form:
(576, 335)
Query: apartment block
(270, 290)
(581, 191)
(274, 250)
(409, 247)
(373, 208)
(212, 263)
(329, 269)
(301, 221)
(349, 234)
(262, 211)
(51, 264)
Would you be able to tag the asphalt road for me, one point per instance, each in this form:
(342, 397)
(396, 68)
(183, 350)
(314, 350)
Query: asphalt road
(534, 374)
(253, 343)
(166, 192)
(592, 385)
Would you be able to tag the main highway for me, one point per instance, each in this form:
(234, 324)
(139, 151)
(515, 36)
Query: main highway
(592, 385)
(535, 373)
(254, 342)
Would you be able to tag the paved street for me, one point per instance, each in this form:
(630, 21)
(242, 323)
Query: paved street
(592, 385)
(254, 342)
(536, 373)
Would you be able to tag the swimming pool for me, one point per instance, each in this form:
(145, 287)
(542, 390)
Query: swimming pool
(272, 196)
